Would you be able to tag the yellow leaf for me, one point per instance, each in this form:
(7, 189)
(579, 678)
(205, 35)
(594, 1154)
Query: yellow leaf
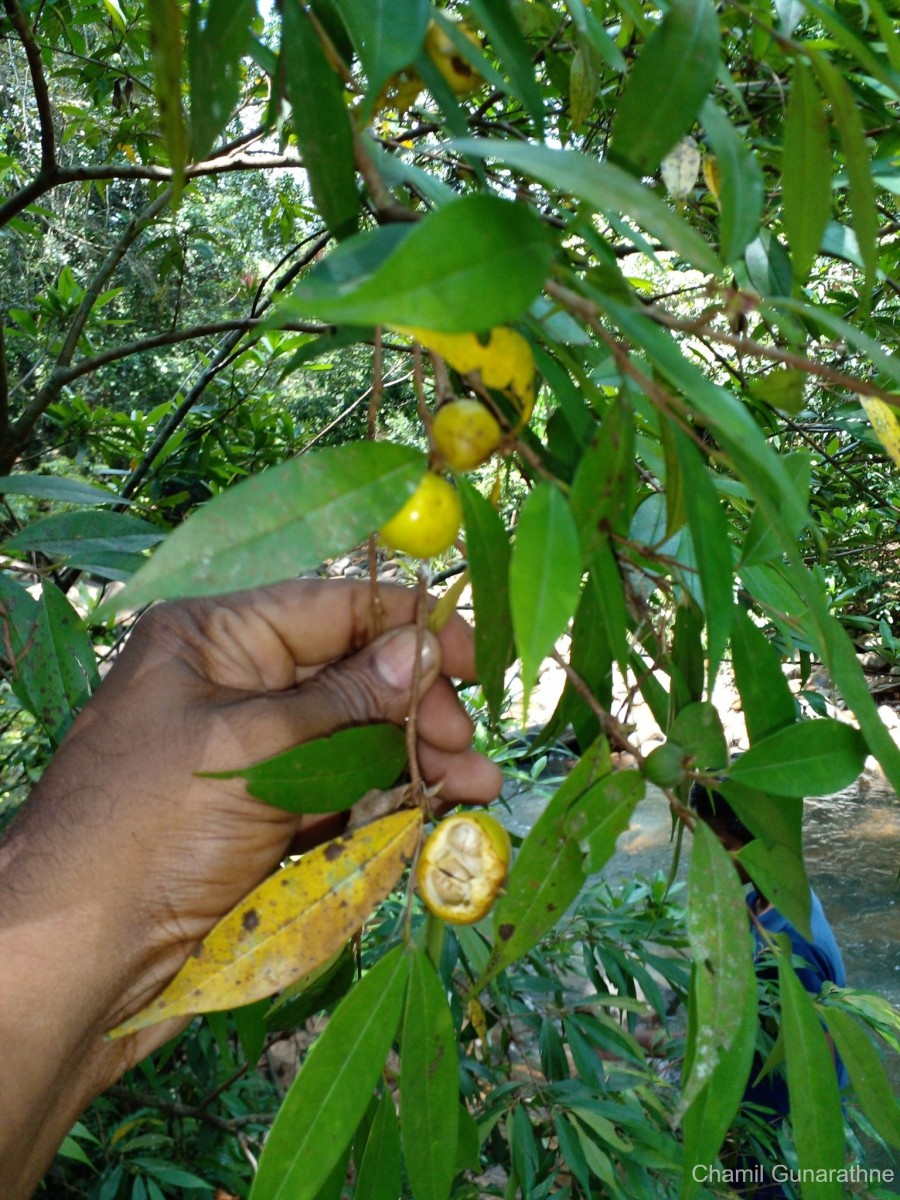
(446, 605)
(712, 175)
(886, 423)
(291, 923)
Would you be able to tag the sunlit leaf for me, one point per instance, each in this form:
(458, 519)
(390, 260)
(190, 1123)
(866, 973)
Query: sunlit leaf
(281, 522)
(667, 84)
(471, 265)
(294, 921)
(812, 758)
(328, 1098)
(886, 423)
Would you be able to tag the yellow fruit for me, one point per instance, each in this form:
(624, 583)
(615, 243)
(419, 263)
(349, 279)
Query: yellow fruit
(442, 51)
(428, 522)
(462, 867)
(465, 434)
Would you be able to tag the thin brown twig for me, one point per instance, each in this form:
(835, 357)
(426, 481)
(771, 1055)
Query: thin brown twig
(141, 1099)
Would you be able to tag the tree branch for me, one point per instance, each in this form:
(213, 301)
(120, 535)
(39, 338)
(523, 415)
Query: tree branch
(140, 1099)
(39, 84)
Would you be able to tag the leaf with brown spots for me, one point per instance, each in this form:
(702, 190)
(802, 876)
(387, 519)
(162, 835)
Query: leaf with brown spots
(291, 923)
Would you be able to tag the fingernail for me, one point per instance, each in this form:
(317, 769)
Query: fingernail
(395, 657)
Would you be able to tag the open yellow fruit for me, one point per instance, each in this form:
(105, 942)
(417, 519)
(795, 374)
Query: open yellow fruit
(463, 866)
(428, 522)
(465, 434)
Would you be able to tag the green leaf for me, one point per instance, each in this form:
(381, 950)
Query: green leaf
(386, 34)
(488, 553)
(602, 814)
(218, 38)
(816, 1117)
(328, 774)
(281, 522)
(53, 487)
(328, 1098)
(323, 129)
(806, 171)
(782, 387)
(812, 758)
(544, 577)
(82, 537)
(603, 489)
(697, 729)
(851, 130)
(761, 542)
(709, 534)
(765, 696)
(741, 190)
(548, 871)
(53, 663)
(429, 1084)
(781, 877)
(606, 187)
(468, 266)
(667, 85)
(723, 981)
(768, 265)
(321, 989)
(777, 820)
(166, 25)
(867, 1074)
(497, 18)
(379, 1176)
(709, 1117)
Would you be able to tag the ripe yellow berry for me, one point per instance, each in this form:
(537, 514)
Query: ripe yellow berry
(463, 866)
(428, 522)
(465, 434)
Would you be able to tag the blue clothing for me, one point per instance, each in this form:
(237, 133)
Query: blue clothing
(824, 965)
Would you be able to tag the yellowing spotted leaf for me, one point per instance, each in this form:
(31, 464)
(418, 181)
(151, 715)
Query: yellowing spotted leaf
(680, 167)
(291, 923)
(885, 420)
(502, 359)
(713, 175)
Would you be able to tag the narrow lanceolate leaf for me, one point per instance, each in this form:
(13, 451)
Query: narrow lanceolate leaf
(709, 534)
(291, 923)
(544, 577)
(812, 758)
(851, 130)
(667, 85)
(709, 1117)
(548, 871)
(328, 774)
(807, 170)
(741, 191)
(885, 420)
(816, 1116)
(470, 265)
(166, 23)
(874, 1092)
(387, 35)
(281, 522)
(79, 537)
(781, 877)
(379, 1176)
(217, 41)
(723, 983)
(488, 553)
(602, 814)
(332, 1092)
(765, 696)
(322, 128)
(607, 188)
(429, 1084)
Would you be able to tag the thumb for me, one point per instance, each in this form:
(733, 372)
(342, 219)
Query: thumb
(373, 685)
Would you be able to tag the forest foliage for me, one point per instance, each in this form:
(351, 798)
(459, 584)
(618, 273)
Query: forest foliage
(247, 257)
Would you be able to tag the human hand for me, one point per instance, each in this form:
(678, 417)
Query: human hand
(125, 858)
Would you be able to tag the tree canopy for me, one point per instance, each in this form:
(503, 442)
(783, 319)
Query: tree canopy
(249, 255)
